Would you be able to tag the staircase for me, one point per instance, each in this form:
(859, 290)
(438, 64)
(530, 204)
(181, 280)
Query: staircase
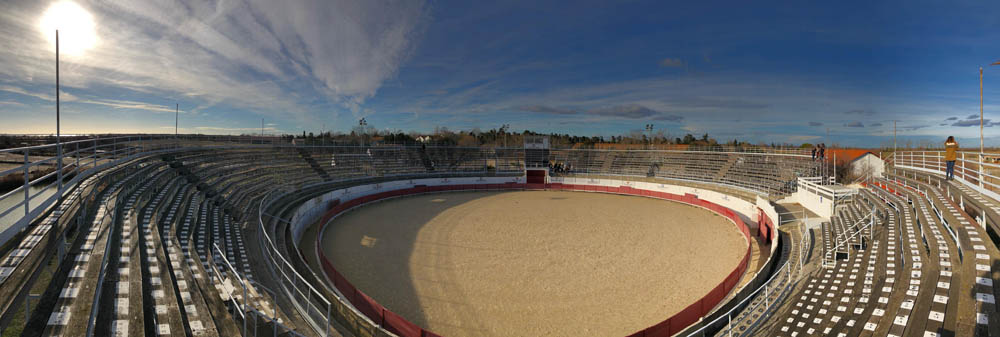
(609, 158)
(725, 167)
(426, 160)
(312, 163)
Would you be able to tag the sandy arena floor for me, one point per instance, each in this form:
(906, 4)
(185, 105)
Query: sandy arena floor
(533, 263)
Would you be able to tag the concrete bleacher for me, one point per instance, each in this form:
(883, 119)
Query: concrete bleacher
(770, 174)
(931, 278)
(164, 244)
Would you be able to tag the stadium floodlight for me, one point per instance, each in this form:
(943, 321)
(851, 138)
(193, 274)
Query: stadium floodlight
(649, 129)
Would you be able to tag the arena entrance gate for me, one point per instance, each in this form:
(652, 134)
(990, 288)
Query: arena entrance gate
(536, 176)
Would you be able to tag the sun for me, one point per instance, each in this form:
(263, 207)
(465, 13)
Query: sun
(75, 25)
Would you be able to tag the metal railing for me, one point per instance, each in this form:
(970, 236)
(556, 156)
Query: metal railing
(299, 290)
(981, 171)
(244, 308)
(843, 238)
(781, 281)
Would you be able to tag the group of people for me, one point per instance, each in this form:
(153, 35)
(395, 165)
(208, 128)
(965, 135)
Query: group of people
(819, 151)
(559, 167)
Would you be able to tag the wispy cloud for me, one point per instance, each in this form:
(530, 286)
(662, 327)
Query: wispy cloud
(913, 127)
(669, 118)
(222, 129)
(292, 60)
(855, 125)
(815, 124)
(863, 112)
(632, 111)
(121, 104)
(951, 118)
(627, 111)
(672, 63)
(875, 125)
(42, 96)
(547, 109)
(801, 138)
(970, 122)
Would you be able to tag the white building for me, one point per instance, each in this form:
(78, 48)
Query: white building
(867, 164)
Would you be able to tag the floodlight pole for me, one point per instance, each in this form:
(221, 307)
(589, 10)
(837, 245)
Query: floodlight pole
(980, 114)
(59, 158)
(177, 109)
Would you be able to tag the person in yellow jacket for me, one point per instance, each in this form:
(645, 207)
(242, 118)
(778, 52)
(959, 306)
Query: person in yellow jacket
(950, 147)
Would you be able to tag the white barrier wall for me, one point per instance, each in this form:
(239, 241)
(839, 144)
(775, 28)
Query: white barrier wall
(745, 209)
(313, 209)
(819, 204)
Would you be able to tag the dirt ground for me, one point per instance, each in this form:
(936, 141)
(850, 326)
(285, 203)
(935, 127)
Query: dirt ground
(533, 263)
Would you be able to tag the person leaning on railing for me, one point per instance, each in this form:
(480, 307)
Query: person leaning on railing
(950, 147)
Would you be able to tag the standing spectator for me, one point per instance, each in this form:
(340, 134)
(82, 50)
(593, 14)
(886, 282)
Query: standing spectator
(814, 152)
(822, 151)
(950, 155)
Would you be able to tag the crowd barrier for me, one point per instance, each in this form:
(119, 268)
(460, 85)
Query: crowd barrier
(678, 322)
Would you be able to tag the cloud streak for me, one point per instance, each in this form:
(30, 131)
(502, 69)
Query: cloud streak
(627, 111)
(672, 63)
(289, 60)
(863, 112)
(547, 109)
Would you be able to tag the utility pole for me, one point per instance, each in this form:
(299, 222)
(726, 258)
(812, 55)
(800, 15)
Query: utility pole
(177, 109)
(58, 131)
(980, 114)
(893, 139)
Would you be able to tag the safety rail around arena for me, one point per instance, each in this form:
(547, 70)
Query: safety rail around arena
(377, 319)
(307, 299)
(980, 171)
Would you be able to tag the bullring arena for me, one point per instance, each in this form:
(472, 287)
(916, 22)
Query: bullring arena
(446, 260)
(224, 236)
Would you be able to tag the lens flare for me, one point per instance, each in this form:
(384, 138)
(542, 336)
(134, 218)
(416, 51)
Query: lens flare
(75, 25)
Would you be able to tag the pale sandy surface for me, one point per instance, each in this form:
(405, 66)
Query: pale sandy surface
(533, 263)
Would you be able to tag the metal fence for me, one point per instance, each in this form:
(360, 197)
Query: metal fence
(317, 310)
(981, 171)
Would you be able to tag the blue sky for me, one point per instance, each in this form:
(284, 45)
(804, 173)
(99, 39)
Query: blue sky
(761, 71)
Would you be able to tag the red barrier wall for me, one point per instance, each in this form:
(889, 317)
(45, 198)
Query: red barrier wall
(681, 320)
